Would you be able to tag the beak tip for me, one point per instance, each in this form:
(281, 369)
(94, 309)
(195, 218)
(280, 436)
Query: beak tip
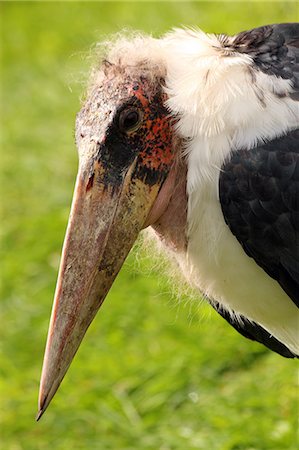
(39, 414)
(42, 406)
(43, 403)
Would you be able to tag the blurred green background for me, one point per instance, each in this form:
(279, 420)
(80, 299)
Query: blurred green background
(153, 372)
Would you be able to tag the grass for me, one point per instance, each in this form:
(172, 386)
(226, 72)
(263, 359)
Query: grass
(151, 373)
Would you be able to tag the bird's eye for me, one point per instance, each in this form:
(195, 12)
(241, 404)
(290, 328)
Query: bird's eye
(130, 120)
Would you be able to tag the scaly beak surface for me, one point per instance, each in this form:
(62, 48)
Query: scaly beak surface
(104, 223)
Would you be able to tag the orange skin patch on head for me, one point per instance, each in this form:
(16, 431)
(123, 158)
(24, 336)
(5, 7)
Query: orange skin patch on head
(137, 92)
(158, 152)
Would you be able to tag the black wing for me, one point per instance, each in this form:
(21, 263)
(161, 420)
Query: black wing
(259, 195)
(274, 50)
(253, 331)
(259, 188)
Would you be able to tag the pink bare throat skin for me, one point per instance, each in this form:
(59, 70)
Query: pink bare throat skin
(168, 216)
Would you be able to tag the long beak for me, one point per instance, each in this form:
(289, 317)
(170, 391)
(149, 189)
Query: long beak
(104, 223)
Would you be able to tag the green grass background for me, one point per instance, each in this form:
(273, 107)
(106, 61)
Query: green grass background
(152, 373)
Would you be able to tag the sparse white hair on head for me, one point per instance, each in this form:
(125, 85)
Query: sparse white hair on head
(129, 52)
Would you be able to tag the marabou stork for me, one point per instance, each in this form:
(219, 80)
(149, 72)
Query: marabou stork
(196, 135)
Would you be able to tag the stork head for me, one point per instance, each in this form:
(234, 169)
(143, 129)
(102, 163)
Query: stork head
(126, 149)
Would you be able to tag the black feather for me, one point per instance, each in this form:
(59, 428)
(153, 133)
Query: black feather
(253, 331)
(274, 50)
(259, 195)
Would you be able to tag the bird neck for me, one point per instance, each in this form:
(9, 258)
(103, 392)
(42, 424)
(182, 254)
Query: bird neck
(171, 226)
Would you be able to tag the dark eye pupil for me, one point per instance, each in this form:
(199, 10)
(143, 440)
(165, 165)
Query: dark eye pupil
(129, 119)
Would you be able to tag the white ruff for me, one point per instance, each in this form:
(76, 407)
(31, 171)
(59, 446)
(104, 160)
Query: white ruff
(223, 108)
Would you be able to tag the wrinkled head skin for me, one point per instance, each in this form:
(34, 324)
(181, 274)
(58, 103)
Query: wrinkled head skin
(125, 141)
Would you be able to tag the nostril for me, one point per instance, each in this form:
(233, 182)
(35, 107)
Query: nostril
(90, 183)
